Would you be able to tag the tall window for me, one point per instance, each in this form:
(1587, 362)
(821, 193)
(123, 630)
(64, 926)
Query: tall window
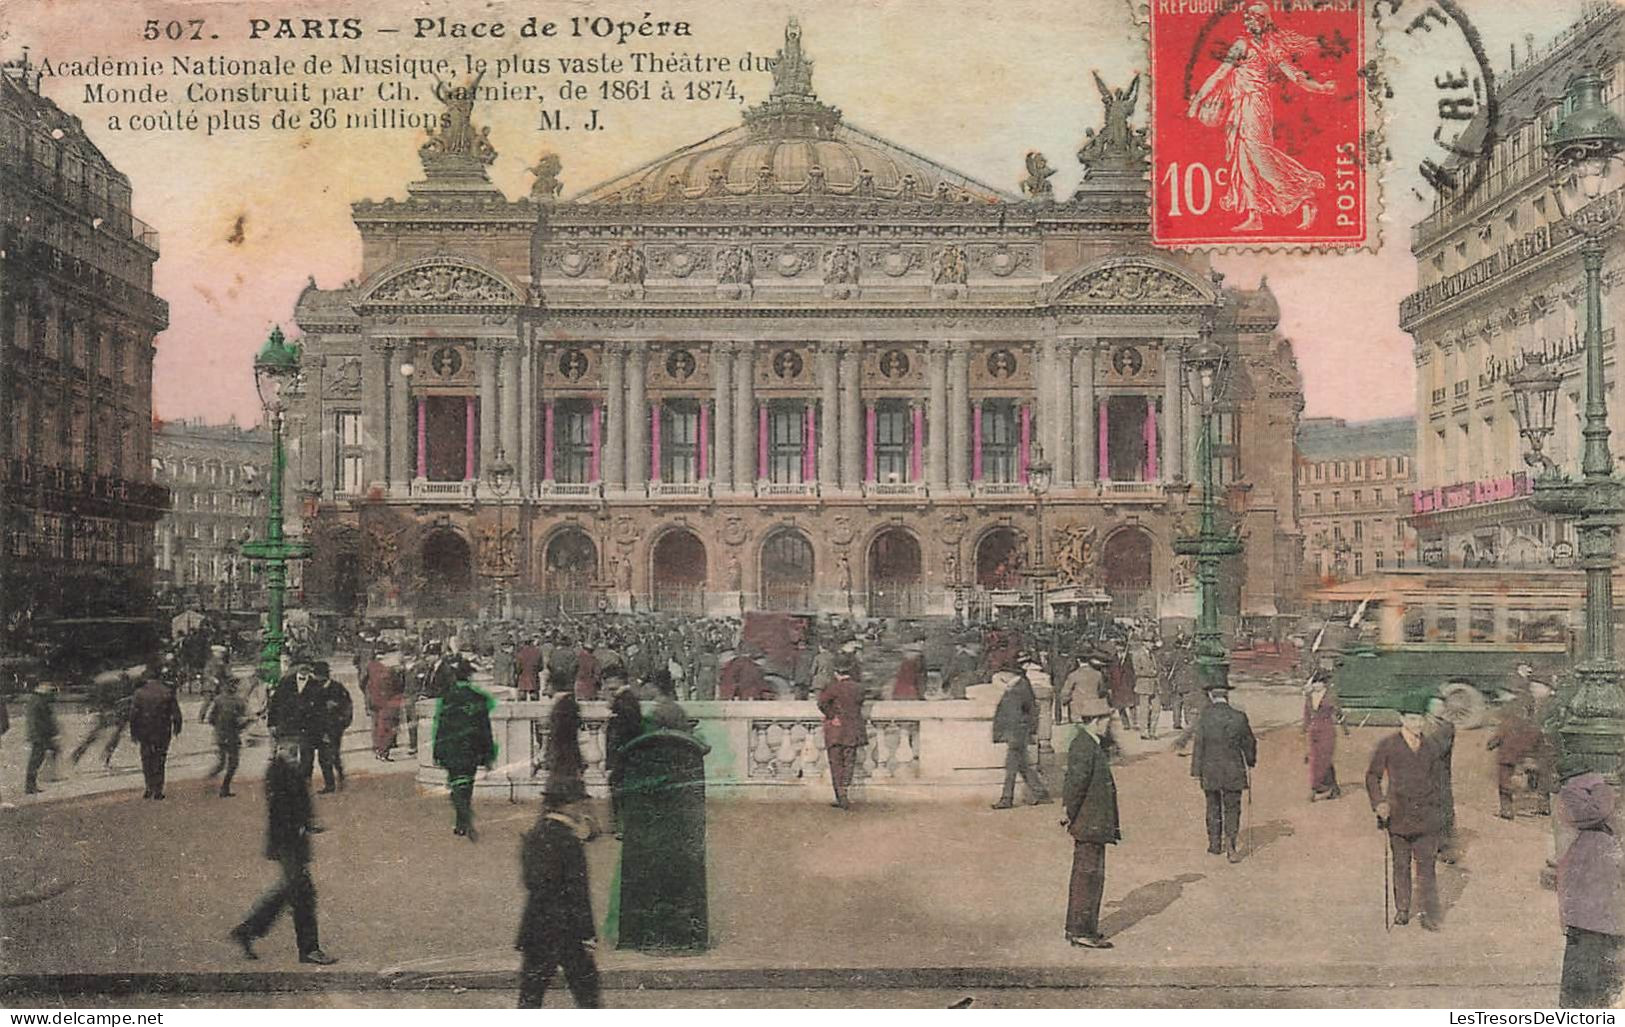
(347, 457)
(786, 434)
(894, 432)
(1227, 446)
(572, 441)
(1001, 441)
(680, 440)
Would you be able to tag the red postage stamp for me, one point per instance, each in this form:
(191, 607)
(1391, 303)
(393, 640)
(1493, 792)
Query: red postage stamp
(1258, 123)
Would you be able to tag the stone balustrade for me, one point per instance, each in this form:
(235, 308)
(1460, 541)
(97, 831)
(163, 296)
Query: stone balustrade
(915, 750)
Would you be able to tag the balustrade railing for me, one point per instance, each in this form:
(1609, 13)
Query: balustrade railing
(894, 489)
(786, 488)
(570, 491)
(679, 490)
(785, 749)
(455, 490)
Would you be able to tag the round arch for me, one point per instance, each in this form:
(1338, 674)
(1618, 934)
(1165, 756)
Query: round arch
(1001, 558)
(786, 566)
(448, 569)
(678, 572)
(1126, 566)
(569, 569)
(895, 570)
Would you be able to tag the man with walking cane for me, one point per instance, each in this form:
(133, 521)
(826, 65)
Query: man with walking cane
(1224, 750)
(1411, 810)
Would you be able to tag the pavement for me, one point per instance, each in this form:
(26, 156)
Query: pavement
(897, 904)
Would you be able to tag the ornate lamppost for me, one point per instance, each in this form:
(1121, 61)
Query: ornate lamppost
(1586, 173)
(276, 369)
(1205, 362)
(1039, 471)
(499, 479)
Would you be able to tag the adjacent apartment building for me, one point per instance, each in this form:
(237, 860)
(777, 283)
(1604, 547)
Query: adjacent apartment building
(216, 475)
(1354, 492)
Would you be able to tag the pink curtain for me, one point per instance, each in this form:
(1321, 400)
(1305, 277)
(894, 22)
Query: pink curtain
(869, 443)
(761, 442)
(1150, 440)
(596, 436)
(1026, 441)
(470, 437)
(547, 441)
(809, 445)
(654, 441)
(423, 437)
(1103, 469)
(917, 457)
(976, 442)
(705, 441)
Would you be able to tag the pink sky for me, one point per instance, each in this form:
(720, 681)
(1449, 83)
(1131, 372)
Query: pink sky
(967, 88)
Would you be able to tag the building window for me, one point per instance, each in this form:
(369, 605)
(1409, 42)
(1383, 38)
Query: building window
(894, 439)
(1379, 560)
(786, 434)
(1359, 497)
(1399, 559)
(680, 440)
(572, 441)
(1359, 531)
(1001, 441)
(1481, 624)
(1337, 500)
(1317, 500)
(1359, 564)
(347, 457)
(1227, 446)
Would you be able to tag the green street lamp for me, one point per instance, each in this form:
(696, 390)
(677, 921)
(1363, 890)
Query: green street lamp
(1039, 473)
(1205, 363)
(1586, 172)
(276, 370)
(500, 478)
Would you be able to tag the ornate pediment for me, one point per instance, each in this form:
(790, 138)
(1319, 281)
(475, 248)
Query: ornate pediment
(442, 282)
(1128, 283)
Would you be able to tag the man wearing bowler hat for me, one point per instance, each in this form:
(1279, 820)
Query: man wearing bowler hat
(1224, 751)
(1090, 796)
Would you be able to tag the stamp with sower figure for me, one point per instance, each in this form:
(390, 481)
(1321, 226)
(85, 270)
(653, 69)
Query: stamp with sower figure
(1258, 123)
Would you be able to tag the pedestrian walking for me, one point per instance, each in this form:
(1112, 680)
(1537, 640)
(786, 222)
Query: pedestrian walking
(155, 719)
(285, 709)
(1082, 686)
(1089, 796)
(1442, 733)
(462, 743)
(110, 702)
(229, 716)
(1410, 808)
(42, 732)
(1321, 720)
(625, 724)
(666, 712)
(556, 929)
(334, 712)
(385, 691)
(1015, 721)
(1517, 740)
(1120, 686)
(1224, 751)
(530, 664)
(566, 767)
(841, 703)
(1147, 685)
(287, 843)
(588, 676)
(1590, 893)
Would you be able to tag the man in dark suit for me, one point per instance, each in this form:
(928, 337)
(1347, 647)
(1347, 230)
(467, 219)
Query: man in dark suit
(1224, 750)
(333, 711)
(287, 843)
(1014, 721)
(155, 718)
(556, 928)
(1412, 808)
(1090, 796)
(285, 710)
(841, 703)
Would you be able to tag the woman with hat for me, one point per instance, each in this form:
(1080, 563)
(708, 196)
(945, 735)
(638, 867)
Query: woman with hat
(1321, 719)
(1590, 890)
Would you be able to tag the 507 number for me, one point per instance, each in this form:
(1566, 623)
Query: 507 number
(192, 28)
(1190, 192)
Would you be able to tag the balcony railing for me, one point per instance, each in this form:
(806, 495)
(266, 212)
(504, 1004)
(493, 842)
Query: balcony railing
(781, 489)
(679, 490)
(570, 491)
(1005, 489)
(895, 489)
(453, 491)
(1132, 489)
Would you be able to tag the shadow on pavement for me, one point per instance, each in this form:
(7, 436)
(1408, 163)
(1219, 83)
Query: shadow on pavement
(1257, 837)
(1146, 901)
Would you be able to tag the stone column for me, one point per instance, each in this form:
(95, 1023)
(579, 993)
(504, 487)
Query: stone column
(937, 416)
(374, 368)
(851, 415)
(959, 415)
(1084, 442)
(1173, 408)
(829, 430)
(1062, 416)
(488, 441)
(745, 417)
(722, 426)
(614, 466)
(637, 416)
(508, 389)
(527, 417)
(1045, 402)
(400, 418)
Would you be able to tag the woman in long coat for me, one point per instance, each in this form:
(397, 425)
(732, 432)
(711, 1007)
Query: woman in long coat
(1321, 718)
(1120, 686)
(385, 693)
(565, 764)
(625, 724)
